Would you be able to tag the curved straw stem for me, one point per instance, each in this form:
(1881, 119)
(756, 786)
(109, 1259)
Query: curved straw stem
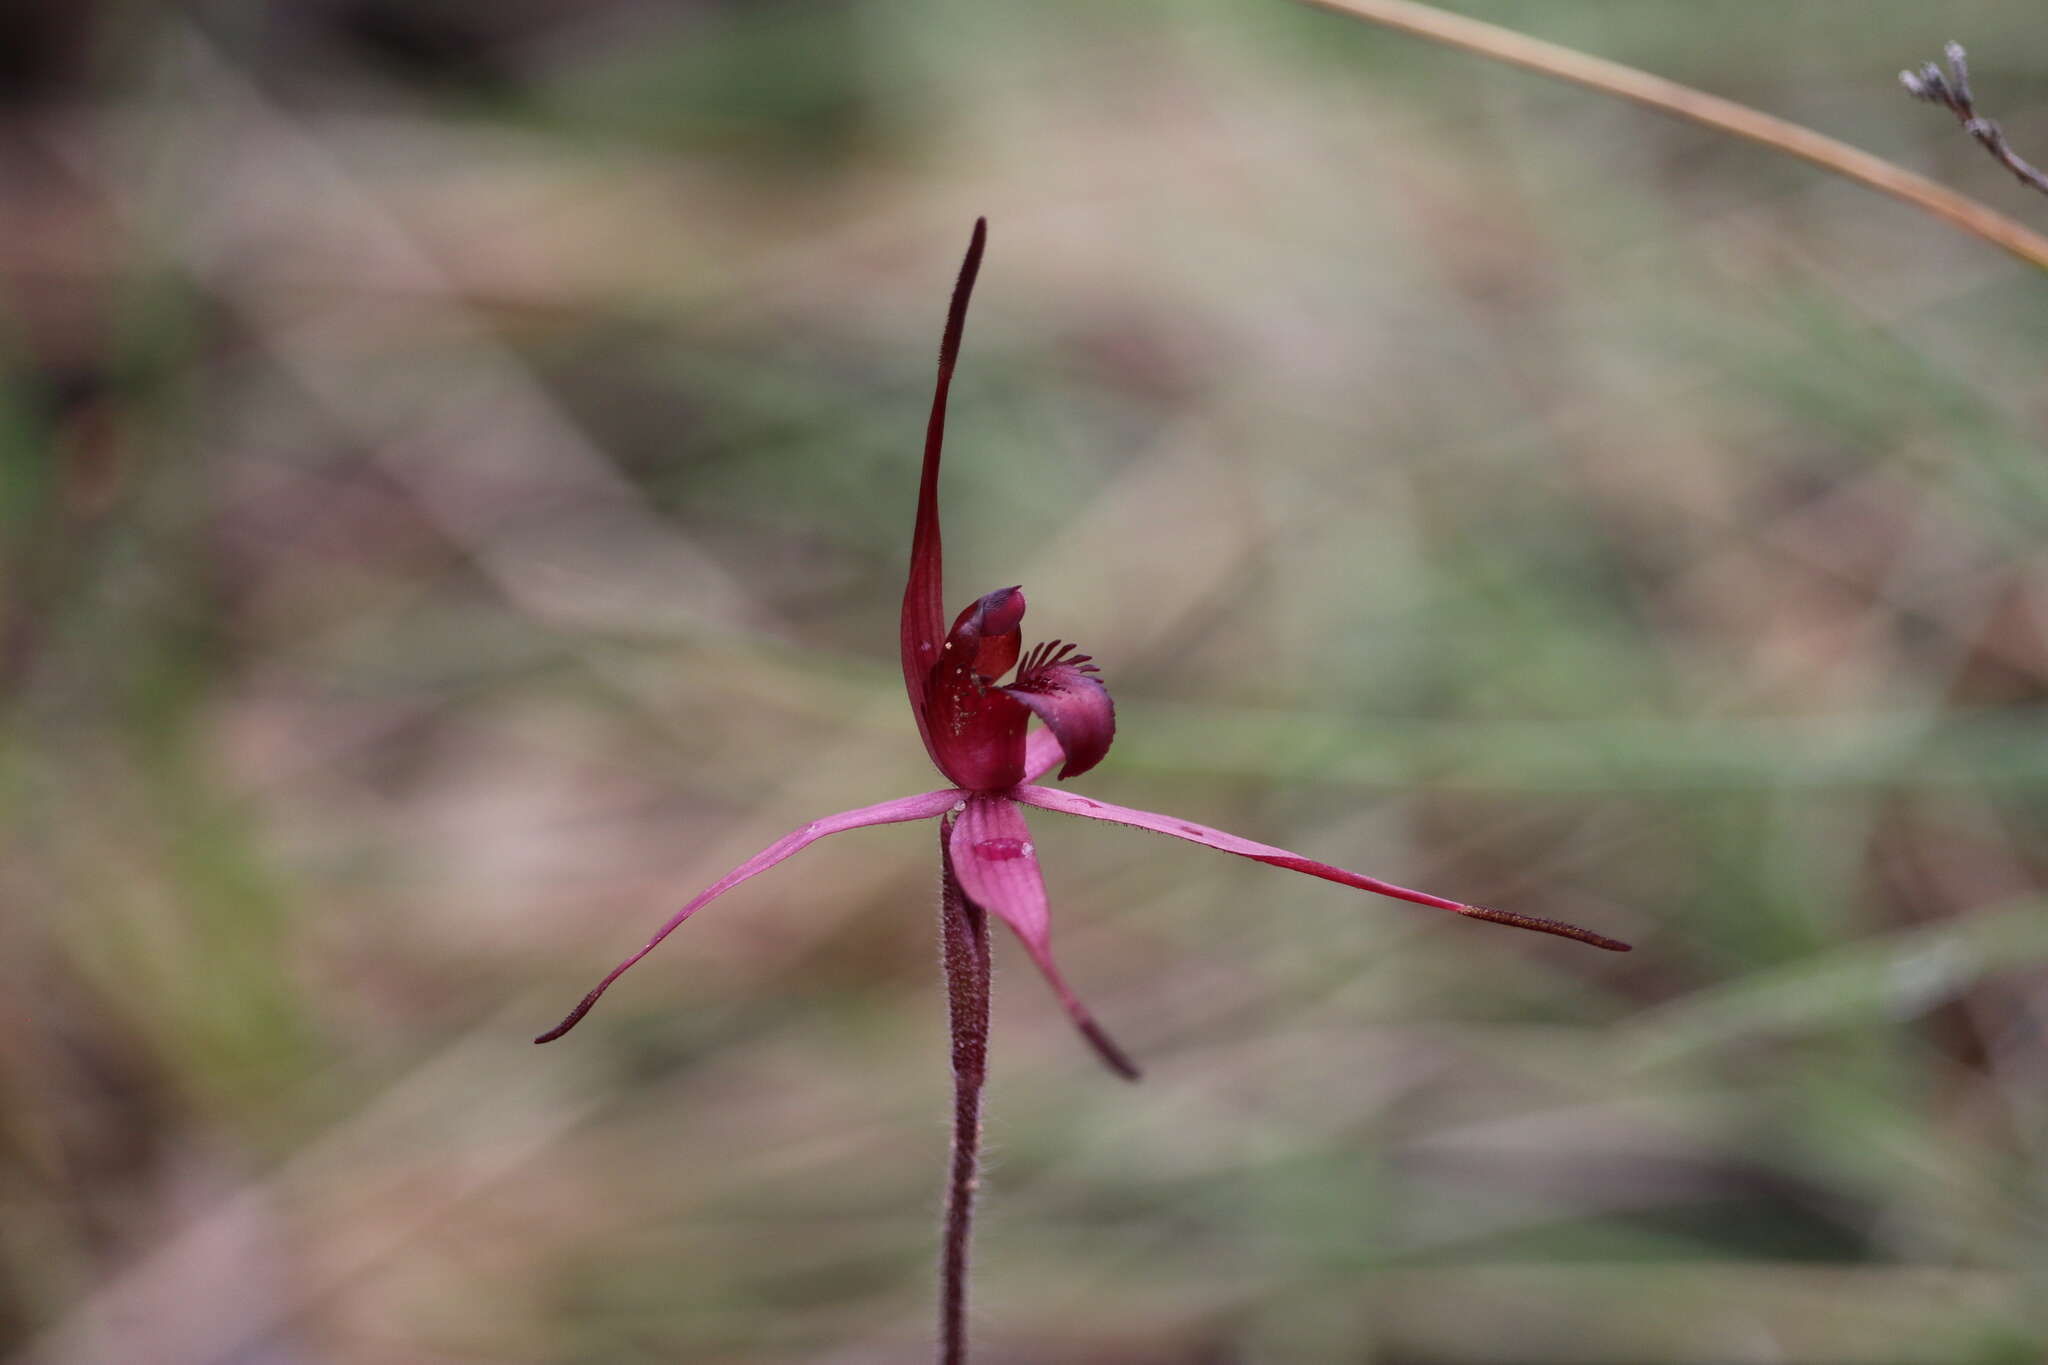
(1597, 73)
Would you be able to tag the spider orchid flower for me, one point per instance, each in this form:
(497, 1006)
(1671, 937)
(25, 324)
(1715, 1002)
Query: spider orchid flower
(976, 729)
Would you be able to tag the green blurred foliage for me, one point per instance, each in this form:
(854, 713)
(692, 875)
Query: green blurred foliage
(455, 469)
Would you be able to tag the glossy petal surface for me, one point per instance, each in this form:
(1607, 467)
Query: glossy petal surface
(975, 731)
(998, 869)
(923, 626)
(989, 630)
(1051, 798)
(920, 807)
(1062, 690)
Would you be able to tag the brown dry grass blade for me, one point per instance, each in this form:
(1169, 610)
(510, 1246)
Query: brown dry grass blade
(1739, 120)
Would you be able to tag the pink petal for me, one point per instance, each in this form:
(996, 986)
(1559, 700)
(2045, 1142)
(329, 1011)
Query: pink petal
(920, 807)
(1051, 798)
(998, 869)
(1061, 689)
(1042, 753)
(924, 606)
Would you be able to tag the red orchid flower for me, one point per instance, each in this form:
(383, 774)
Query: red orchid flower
(977, 730)
(974, 728)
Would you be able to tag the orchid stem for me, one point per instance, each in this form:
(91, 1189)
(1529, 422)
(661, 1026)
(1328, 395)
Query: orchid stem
(963, 937)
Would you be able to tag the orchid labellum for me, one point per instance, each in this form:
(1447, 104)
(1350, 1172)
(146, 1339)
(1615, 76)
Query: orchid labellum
(977, 729)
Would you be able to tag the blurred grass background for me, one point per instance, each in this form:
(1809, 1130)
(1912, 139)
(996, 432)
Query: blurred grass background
(458, 461)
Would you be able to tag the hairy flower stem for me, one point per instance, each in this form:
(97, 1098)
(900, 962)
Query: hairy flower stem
(963, 936)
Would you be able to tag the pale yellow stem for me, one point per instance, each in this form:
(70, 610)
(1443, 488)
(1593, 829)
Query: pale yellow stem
(1596, 73)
